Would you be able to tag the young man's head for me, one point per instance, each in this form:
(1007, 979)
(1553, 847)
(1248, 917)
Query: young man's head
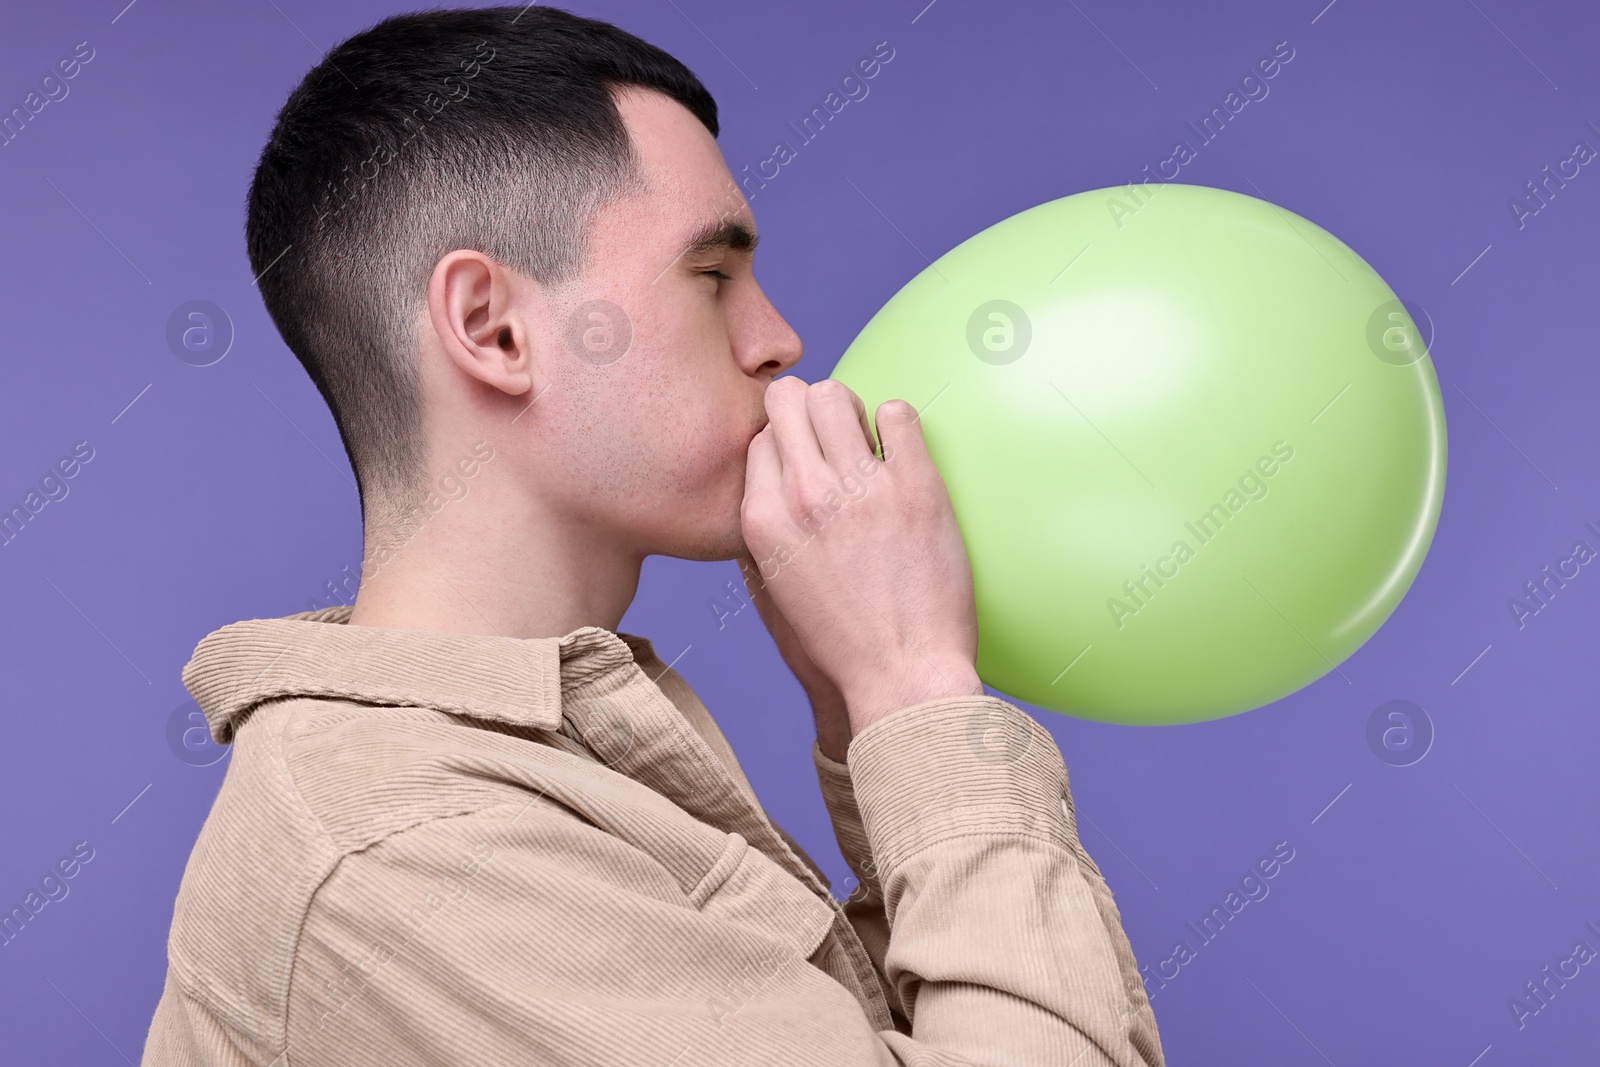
(514, 225)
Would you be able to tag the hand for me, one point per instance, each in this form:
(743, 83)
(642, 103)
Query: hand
(827, 703)
(862, 556)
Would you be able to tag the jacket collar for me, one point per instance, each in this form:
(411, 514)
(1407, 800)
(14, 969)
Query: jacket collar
(516, 680)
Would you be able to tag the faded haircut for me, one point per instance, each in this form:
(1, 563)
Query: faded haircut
(491, 129)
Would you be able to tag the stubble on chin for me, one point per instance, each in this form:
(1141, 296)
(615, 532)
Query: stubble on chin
(714, 551)
(724, 541)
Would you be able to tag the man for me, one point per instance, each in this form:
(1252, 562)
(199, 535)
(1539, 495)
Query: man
(468, 822)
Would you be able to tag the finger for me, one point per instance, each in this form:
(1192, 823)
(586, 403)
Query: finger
(838, 416)
(866, 423)
(900, 430)
(763, 469)
(790, 424)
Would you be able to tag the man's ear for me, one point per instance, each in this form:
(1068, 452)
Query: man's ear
(474, 311)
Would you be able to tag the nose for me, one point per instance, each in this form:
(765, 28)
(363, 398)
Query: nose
(772, 346)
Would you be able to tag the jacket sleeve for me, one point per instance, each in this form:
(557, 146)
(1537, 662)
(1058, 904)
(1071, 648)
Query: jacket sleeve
(1003, 942)
(863, 896)
(534, 936)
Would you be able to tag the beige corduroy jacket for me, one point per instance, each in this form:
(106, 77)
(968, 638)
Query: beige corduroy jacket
(434, 848)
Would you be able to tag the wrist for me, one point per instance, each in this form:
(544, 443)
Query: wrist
(833, 726)
(946, 681)
(834, 741)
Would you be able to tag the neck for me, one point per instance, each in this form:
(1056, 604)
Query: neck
(473, 570)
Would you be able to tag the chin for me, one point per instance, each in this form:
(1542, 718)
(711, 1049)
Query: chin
(715, 539)
(725, 545)
(707, 544)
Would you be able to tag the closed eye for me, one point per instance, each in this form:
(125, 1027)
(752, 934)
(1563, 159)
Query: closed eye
(718, 274)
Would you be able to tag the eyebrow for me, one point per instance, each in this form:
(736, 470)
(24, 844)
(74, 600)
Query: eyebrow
(724, 233)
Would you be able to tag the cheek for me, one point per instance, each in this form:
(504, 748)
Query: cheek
(692, 447)
(663, 422)
(683, 430)
(646, 440)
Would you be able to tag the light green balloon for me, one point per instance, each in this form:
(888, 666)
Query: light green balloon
(1195, 445)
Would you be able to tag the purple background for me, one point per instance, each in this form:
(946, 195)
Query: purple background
(1416, 905)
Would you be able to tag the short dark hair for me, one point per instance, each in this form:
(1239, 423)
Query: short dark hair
(492, 129)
